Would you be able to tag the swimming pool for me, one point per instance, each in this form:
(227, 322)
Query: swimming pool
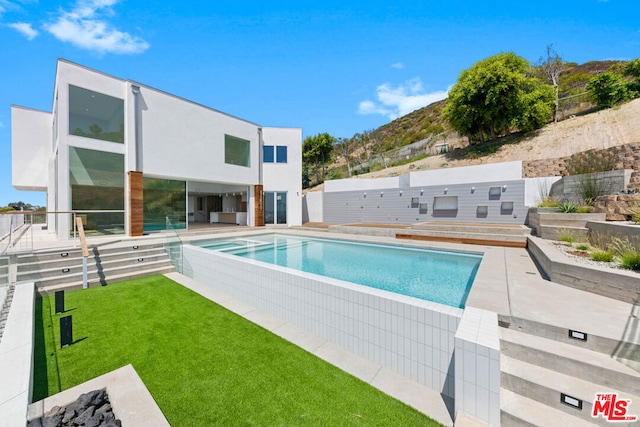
(437, 276)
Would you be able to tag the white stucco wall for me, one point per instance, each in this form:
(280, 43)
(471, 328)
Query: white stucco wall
(31, 148)
(285, 176)
(492, 172)
(185, 140)
(537, 188)
(351, 184)
(312, 207)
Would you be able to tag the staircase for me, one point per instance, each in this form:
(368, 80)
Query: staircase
(62, 269)
(508, 235)
(549, 224)
(539, 362)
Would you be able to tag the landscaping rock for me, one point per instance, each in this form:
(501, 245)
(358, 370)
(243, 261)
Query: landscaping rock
(89, 410)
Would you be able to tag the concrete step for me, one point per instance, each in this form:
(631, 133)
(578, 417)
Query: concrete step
(104, 273)
(546, 386)
(519, 411)
(570, 360)
(69, 253)
(553, 232)
(50, 289)
(74, 265)
(491, 229)
(597, 339)
(94, 257)
(509, 240)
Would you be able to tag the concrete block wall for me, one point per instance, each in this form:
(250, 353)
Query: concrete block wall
(477, 366)
(412, 337)
(628, 157)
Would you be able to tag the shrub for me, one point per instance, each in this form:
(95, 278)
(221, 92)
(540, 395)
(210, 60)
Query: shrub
(583, 209)
(549, 202)
(568, 206)
(600, 255)
(635, 214)
(582, 247)
(630, 260)
(566, 236)
(591, 161)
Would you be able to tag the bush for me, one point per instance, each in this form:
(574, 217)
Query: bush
(583, 209)
(568, 207)
(630, 260)
(635, 214)
(582, 247)
(566, 236)
(600, 255)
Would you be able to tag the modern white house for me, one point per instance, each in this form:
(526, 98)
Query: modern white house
(131, 159)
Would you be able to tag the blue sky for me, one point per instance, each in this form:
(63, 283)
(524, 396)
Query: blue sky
(324, 66)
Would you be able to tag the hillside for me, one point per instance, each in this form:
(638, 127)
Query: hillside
(579, 129)
(602, 129)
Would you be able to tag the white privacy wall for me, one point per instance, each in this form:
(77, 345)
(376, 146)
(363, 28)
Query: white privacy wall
(412, 337)
(312, 207)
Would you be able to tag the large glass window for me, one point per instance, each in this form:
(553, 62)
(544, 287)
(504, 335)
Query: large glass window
(97, 184)
(236, 151)
(267, 154)
(281, 154)
(162, 200)
(95, 115)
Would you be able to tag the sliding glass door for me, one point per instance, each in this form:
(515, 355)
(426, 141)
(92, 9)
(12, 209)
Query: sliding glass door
(275, 207)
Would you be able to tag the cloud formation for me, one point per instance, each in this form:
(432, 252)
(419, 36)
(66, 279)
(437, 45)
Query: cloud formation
(85, 26)
(397, 65)
(395, 102)
(25, 29)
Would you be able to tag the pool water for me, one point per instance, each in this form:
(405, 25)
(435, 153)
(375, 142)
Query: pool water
(437, 276)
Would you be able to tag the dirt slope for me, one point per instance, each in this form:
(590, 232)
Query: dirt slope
(606, 128)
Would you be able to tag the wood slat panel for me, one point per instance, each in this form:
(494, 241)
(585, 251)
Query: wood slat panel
(258, 212)
(135, 204)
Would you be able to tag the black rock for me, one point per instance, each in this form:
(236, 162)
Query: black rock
(69, 415)
(87, 399)
(52, 421)
(112, 423)
(105, 410)
(85, 416)
(94, 421)
(35, 423)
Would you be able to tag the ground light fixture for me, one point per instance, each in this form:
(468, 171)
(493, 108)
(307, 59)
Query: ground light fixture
(574, 402)
(577, 335)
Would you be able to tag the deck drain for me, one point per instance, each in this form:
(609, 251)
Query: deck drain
(531, 272)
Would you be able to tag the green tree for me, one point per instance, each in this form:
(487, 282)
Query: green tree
(317, 152)
(608, 89)
(496, 95)
(632, 69)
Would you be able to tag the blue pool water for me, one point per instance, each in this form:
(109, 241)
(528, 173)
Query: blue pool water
(438, 276)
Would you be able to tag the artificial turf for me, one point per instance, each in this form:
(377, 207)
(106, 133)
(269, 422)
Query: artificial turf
(203, 364)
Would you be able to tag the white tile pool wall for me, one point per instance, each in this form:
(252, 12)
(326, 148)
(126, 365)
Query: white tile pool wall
(412, 337)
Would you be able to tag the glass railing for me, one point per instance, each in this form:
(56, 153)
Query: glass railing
(16, 230)
(174, 244)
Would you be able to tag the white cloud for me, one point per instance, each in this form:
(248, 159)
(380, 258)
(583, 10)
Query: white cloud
(398, 65)
(25, 29)
(86, 28)
(395, 102)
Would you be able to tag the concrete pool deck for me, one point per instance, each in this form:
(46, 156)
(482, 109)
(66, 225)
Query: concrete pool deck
(508, 283)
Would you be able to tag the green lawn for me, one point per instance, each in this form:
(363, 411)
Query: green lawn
(203, 364)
